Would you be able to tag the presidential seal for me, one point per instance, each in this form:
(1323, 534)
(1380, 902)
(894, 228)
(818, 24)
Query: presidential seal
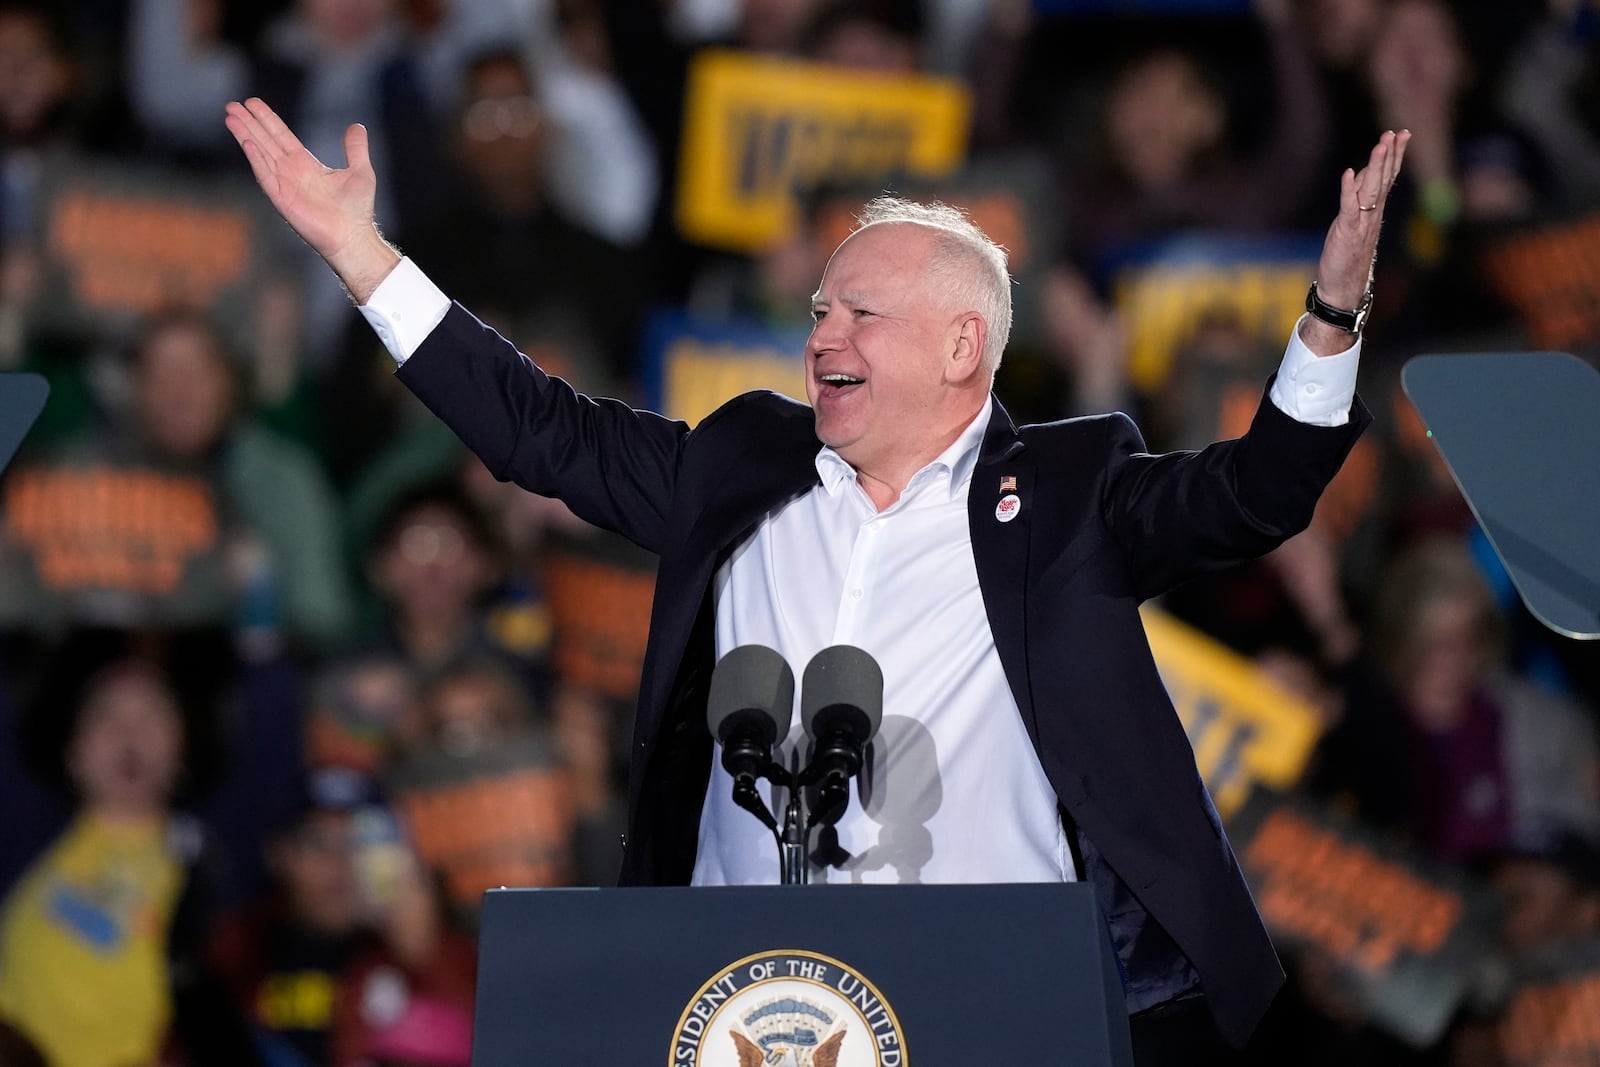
(788, 1008)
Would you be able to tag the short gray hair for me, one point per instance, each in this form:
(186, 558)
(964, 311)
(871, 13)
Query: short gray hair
(972, 267)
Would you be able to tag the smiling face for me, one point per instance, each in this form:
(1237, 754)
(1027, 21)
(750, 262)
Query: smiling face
(891, 364)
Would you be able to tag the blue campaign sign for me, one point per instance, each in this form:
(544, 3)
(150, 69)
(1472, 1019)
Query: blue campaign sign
(693, 364)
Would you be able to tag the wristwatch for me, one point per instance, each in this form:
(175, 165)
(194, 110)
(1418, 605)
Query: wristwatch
(1339, 318)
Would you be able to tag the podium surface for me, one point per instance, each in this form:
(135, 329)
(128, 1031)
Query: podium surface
(813, 976)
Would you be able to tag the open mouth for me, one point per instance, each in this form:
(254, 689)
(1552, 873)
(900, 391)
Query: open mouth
(835, 384)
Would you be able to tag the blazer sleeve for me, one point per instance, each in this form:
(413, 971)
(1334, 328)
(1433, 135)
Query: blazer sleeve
(615, 466)
(1182, 514)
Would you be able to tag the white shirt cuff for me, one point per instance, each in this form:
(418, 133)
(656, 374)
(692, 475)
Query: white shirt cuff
(1316, 390)
(404, 309)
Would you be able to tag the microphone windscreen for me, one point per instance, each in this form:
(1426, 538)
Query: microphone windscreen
(842, 679)
(752, 678)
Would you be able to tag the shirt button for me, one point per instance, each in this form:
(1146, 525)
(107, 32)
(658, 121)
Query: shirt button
(1313, 389)
(855, 594)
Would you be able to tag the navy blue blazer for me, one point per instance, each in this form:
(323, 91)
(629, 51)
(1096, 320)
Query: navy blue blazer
(1104, 525)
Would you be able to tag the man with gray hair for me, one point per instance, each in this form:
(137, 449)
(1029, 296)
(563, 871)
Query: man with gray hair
(995, 572)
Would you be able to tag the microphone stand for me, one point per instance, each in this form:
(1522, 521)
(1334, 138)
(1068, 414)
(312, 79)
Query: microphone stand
(792, 860)
(793, 834)
(793, 866)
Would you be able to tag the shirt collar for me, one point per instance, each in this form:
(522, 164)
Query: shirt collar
(956, 462)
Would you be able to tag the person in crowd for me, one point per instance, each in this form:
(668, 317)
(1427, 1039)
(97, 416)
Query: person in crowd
(900, 365)
(496, 238)
(187, 411)
(364, 708)
(331, 62)
(1340, 35)
(101, 942)
(487, 795)
(41, 85)
(602, 167)
(1171, 160)
(506, 244)
(41, 90)
(1552, 90)
(1437, 739)
(882, 37)
(283, 958)
(1419, 71)
(408, 999)
(1548, 878)
(181, 511)
(338, 60)
(434, 563)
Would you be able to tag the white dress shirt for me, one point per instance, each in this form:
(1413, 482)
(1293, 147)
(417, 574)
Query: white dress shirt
(953, 791)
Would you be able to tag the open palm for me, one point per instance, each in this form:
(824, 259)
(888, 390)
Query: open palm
(329, 208)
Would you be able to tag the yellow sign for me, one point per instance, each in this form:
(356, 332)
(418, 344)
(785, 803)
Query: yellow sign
(1246, 729)
(701, 376)
(758, 129)
(1162, 304)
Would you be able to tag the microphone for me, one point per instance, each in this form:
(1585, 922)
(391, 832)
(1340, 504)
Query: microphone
(749, 710)
(841, 705)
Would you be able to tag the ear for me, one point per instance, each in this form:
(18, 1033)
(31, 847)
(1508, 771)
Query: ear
(966, 350)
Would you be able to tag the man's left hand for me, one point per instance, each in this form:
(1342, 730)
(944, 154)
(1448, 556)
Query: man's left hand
(1345, 270)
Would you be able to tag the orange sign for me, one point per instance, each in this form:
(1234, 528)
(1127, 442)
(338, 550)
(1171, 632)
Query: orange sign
(121, 243)
(103, 527)
(1363, 910)
(601, 611)
(512, 828)
(1553, 1024)
(1552, 276)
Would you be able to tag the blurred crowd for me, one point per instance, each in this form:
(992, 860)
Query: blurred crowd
(287, 679)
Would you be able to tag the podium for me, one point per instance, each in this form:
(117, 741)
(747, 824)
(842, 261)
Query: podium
(807, 976)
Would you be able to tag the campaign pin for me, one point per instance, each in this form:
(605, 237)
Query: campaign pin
(1008, 507)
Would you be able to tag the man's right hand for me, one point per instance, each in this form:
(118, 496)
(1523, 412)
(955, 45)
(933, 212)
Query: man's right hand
(332, 210)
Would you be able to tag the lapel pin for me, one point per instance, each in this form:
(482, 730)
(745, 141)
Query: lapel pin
(1008, 507)
(1008, 484)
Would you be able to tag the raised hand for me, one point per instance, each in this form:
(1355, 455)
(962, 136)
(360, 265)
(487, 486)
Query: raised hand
(331, 209)
(1345, 270)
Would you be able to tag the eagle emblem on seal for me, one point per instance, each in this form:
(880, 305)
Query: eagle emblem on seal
(788, 1032)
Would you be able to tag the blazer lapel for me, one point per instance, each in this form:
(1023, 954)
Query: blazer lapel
(771, 473)
(756, 480)
(1000, 528)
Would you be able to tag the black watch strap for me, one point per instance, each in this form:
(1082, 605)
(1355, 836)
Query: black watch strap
(1339, 318)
